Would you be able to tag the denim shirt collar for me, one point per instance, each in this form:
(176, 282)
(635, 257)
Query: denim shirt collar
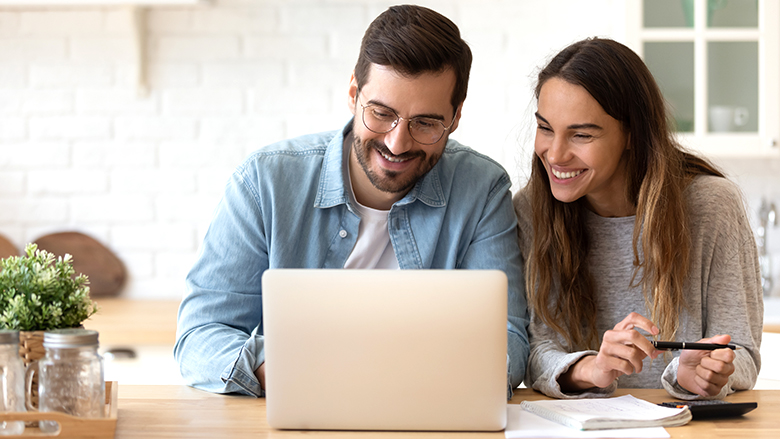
(332, 190)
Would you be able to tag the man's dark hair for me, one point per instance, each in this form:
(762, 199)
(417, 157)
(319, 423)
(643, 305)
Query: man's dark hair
(414, 40)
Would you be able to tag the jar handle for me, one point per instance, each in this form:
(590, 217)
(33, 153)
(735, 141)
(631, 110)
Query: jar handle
(4, 385)
(29, 375)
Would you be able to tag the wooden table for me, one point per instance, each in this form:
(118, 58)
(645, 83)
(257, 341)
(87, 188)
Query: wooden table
(152, 412)
(772, 327)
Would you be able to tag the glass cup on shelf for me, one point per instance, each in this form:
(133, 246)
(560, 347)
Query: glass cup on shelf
(725, 118)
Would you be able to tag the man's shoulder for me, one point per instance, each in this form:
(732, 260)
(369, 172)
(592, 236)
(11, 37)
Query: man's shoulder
(308, 144)
(287, 163)
(463, 158)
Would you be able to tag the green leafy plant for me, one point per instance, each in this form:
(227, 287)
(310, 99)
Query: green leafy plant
(39, 292)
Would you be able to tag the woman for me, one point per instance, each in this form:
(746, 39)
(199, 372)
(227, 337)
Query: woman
(629, 238)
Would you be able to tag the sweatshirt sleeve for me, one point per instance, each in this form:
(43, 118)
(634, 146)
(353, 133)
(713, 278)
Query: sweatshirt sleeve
(548, 361)
(731, 294)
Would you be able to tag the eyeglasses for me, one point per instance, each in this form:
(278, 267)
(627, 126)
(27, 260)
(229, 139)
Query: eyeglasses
(381, 120)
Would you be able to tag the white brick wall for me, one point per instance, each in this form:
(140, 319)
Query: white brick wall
(80, 150)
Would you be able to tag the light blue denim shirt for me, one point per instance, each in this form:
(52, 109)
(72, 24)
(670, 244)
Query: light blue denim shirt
(287, 206)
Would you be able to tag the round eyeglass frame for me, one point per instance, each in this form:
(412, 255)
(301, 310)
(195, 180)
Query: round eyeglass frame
(398, 119)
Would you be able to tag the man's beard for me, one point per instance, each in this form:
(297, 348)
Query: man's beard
(390, 181)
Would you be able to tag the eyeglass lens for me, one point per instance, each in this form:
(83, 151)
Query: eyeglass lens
(380, 120)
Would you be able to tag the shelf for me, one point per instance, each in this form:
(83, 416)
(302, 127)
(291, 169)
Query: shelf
(730, 144)
(133, 322)
(136, 14)
(54, 3)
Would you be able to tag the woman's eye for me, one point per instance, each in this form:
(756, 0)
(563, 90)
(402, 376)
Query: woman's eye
(543, 128)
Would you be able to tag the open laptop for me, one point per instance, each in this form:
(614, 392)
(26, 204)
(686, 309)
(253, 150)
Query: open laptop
(385, 349)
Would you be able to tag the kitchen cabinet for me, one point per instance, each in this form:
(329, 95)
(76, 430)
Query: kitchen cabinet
(718, 65)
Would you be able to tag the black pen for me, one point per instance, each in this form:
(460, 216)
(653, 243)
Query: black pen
(675, 345)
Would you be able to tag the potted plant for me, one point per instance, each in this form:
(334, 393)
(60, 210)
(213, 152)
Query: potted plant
(40, 292)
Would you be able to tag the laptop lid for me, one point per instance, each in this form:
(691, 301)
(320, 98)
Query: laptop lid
(385, 349)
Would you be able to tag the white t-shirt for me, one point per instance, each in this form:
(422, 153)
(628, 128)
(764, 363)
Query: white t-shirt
(373, 248)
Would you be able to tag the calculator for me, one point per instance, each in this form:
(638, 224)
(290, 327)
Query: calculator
(709, 409)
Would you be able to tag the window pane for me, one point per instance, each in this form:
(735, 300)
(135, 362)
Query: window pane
(732, 13)
(672, 67)
(732, 88)
(668, 13)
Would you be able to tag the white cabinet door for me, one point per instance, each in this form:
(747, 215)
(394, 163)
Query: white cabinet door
(718, 65)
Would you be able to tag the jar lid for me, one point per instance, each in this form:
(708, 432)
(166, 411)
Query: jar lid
(70, 338)
(8, 336)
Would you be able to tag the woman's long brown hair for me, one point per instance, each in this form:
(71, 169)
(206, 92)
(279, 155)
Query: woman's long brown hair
(559, 284)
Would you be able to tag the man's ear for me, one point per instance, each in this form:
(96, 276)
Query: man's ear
(457, 118)
(353, 90)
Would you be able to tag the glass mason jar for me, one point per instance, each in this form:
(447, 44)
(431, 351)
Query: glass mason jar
(11, 382)
(70, 376)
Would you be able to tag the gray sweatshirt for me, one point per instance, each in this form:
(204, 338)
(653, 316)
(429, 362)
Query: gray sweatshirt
(723, 291)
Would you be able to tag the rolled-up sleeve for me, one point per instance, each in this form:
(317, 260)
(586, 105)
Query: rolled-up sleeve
(219, 343)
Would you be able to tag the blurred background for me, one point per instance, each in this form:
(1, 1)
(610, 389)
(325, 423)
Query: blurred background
(124, 122)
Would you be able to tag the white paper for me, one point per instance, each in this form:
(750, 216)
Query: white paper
(620, 407)
(522, 424)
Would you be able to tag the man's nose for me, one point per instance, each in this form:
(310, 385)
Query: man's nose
(399, 140)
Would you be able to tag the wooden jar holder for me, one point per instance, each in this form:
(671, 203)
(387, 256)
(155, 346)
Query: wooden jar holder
(71, 427)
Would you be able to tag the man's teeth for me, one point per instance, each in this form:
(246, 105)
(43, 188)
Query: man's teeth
(392, 159)
(566, 175)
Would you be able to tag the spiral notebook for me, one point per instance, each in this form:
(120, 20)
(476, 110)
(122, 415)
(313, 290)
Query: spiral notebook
(608, 413)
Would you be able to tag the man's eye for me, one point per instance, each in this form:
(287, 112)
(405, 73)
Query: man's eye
(382, 114)
(425, 123)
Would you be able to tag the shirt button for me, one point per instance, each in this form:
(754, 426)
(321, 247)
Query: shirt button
(343, 233)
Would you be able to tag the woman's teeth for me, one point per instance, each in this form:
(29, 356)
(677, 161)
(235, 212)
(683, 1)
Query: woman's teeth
(565, 175)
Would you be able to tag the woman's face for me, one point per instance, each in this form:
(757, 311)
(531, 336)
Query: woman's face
(582, 148)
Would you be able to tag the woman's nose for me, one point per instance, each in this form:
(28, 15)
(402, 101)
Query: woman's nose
(559, 151)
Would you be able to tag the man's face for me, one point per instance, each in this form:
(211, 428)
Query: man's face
(384, 167)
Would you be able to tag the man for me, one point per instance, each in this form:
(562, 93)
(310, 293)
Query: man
(390, 190)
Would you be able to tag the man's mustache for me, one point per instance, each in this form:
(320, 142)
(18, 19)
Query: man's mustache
(382, 148)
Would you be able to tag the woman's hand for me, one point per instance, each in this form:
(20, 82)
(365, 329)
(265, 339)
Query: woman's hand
(706, 372)
(621, 353)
